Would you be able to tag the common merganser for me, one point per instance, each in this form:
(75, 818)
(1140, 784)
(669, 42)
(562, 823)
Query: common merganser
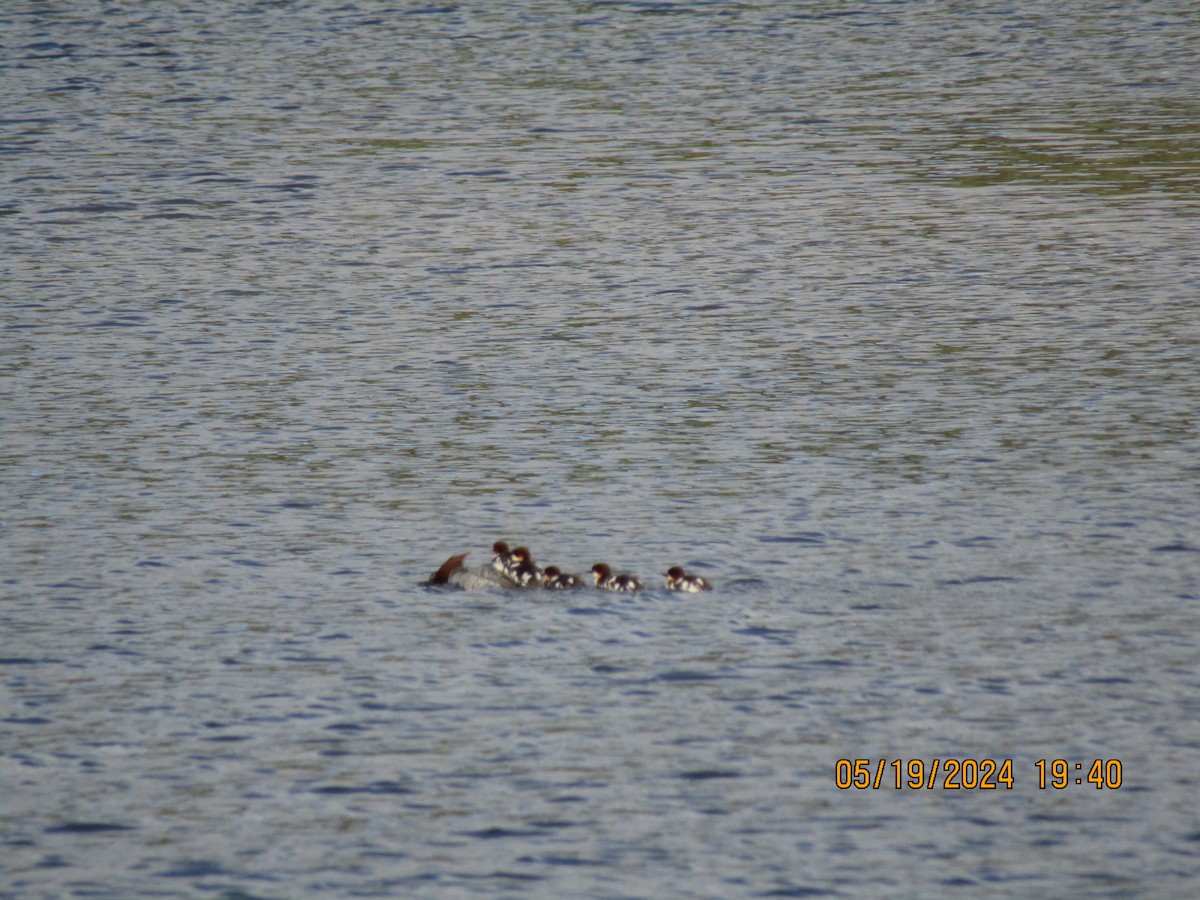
(679, 580)
(525, 571)
(453, 572)
(607, 581)
(501, 557)
(557, 580)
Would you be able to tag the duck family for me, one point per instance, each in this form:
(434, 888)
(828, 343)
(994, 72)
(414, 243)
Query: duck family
(515, 569)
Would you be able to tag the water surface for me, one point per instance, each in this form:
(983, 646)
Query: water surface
(882, 316)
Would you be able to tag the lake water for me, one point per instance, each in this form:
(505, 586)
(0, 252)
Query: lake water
(883, 316)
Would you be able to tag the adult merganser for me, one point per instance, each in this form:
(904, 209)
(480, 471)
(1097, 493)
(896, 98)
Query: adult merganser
(679, 580)
(453, 572)
(607, 581)
(557, 580)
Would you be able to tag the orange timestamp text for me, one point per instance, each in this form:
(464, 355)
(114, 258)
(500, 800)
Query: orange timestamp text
(955, 774)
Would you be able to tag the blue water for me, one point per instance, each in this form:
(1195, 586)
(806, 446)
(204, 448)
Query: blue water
(880, 316)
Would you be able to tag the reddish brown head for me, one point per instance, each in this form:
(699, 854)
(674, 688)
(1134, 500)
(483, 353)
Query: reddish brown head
(442, 575)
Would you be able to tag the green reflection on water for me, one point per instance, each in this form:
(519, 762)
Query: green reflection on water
(1107, 155)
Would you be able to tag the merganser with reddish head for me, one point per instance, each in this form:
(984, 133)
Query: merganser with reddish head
(679, 580)
(555, 579)
(501, 557)
(455, 574)
(607, 581)
(525, 571)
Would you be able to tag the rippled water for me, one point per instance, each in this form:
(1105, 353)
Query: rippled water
(881, 315)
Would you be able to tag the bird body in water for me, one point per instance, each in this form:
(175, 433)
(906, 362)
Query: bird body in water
(679, 580)
(453, 572)
(607, 581)
(556, 580)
